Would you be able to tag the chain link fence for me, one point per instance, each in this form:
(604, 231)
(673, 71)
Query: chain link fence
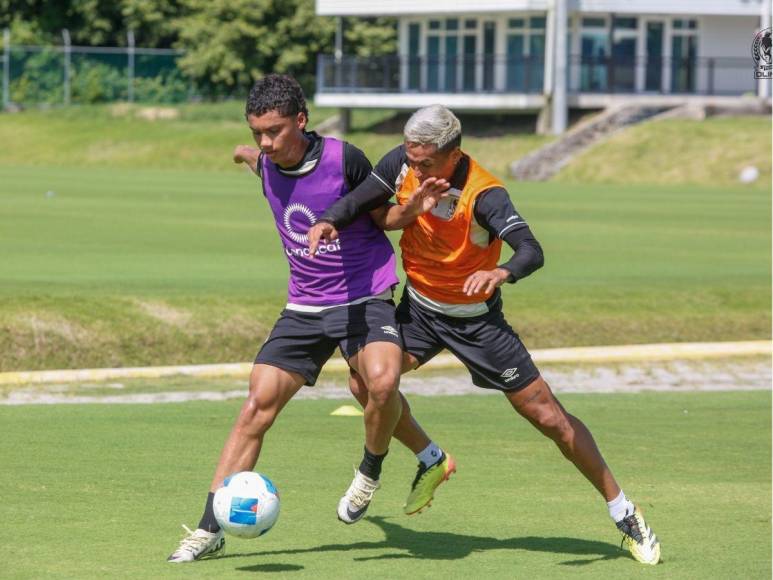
(67, 74)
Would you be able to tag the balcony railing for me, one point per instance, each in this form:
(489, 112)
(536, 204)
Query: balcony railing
(525, 75)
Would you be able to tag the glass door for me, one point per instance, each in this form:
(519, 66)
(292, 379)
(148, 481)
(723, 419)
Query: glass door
(653, 75)
(515, 63)
(414, 60)
(623, 70)
(684, 51)
(469, 65)
(489, 49)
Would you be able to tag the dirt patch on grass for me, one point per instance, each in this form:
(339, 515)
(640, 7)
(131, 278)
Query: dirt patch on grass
(164, 312)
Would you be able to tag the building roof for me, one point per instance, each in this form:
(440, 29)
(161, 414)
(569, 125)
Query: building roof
(413, 7)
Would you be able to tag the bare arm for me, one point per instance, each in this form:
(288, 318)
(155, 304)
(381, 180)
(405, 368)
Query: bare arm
(248, 155)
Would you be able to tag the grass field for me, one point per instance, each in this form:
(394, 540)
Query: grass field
(130, 242)
(126, 267)
(99, 491)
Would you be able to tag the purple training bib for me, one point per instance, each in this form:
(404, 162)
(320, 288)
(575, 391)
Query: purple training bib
(360, 263)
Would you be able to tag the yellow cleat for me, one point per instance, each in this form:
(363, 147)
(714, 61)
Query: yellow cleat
(426, 482)
(640, 540)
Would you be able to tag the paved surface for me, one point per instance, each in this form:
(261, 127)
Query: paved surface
(674, 376)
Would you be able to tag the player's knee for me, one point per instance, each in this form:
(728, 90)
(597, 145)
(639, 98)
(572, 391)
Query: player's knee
(382, 385)
(552, 422)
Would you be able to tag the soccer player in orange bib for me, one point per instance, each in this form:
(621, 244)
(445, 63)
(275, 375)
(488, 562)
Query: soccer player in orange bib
(451, 256)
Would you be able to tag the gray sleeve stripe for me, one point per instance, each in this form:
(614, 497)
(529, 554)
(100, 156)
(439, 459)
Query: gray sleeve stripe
(374, 174)
(510, 227)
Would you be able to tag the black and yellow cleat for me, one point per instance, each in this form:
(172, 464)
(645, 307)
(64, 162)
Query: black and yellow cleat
(426, 482)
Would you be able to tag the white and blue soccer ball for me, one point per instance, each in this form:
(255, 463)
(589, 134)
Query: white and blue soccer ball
(247, 505)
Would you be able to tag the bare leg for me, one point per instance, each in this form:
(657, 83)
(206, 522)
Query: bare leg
(379, 365)
(538, 404)
(408, 431)
(270, 390)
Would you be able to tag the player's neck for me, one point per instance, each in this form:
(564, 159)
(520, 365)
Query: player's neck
(296, 153)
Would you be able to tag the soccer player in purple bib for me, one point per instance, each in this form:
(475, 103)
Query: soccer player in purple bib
(340, 298)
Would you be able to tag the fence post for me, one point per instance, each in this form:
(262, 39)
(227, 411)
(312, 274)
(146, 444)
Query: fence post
(130, 70)
(67, 59)
(6, 68)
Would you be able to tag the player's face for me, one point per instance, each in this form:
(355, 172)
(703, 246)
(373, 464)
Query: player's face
(426, 161)
(280, 138)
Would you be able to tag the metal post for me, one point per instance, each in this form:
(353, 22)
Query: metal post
(6, 68)
(550, 48)
(130, 68)
(559, 119)
(67, 60)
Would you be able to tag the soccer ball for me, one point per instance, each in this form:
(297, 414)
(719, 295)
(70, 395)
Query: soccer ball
(247, 505)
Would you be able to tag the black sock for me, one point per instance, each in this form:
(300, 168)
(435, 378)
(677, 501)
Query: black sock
(208, 521)
(371, 464)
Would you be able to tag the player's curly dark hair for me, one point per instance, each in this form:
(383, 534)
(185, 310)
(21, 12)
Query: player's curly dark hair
(280, 93)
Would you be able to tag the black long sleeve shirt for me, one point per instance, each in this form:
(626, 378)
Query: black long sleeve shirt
(493, 211)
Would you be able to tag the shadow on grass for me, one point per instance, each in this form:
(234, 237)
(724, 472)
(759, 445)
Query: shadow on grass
(271, 568)
(407, 543)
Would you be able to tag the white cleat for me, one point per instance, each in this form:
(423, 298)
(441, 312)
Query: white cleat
(356, 500)
(198, 545)
(639, 538)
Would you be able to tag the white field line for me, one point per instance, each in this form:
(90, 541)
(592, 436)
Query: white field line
(598, 354)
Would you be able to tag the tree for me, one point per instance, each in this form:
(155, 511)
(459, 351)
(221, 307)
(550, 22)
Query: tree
(370, 36)
(231, 43)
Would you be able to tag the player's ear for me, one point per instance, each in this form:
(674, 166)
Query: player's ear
(301, 119)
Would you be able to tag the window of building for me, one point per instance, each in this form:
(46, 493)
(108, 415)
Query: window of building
(525, 56)
(414, 60)
(452, 57)
(684, 55)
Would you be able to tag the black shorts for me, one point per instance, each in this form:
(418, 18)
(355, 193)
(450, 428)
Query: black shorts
(302, 342)
(486, 344)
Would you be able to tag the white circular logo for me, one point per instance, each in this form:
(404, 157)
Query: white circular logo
(298, 208)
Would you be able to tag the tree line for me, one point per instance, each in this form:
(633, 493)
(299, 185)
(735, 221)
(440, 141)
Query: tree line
(227, 43)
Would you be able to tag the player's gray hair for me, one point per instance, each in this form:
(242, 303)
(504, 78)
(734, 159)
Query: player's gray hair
(433, 125)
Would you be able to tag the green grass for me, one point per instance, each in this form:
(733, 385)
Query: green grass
(99, 491)
(122, 267)
(125, 241)
(679, 151)
(199, 137)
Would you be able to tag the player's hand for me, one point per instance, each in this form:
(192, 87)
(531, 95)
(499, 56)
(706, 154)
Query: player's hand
(320, 231)
(430, 192)
(246, 154)
(485, 281)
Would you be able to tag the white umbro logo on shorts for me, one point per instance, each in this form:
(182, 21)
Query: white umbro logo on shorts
(390, 330)
(510, 374)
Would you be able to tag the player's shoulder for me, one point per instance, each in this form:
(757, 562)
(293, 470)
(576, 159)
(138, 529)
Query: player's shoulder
(352, 151)
(396, 155)
(390, 166)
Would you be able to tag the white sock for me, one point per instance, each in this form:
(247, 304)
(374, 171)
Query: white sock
(620, 507)
(430, 455)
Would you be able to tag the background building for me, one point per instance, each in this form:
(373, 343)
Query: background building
(548, 55)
